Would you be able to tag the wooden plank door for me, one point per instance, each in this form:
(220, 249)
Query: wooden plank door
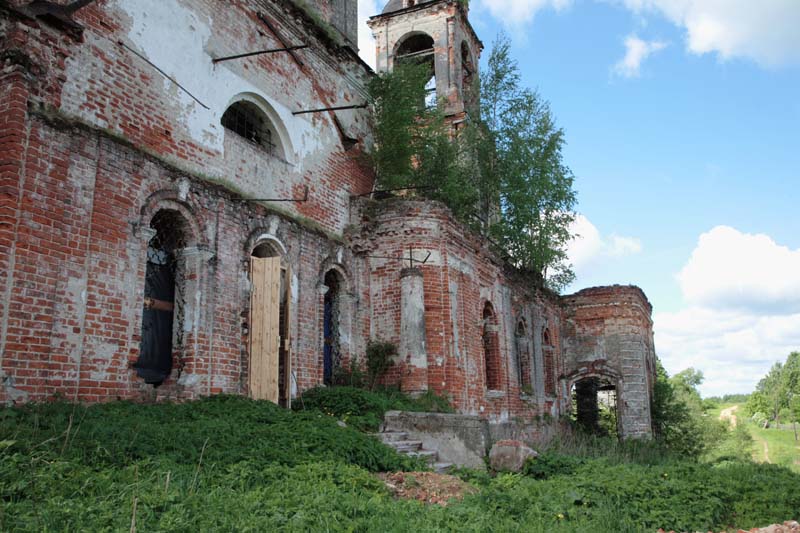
(286, 344)
(265, 275)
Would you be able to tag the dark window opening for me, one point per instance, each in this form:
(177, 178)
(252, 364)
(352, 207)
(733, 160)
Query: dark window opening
(468, 77)
(331, 355)
(491, 349)
(594, 406)
(548, 354)
(248, 121)
(419, 49)
(162, 298)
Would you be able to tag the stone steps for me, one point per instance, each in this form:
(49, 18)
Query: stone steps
(399, 440)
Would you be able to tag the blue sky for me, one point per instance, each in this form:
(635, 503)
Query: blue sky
(682, 119)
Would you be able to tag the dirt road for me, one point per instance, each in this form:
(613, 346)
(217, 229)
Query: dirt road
(728, 414)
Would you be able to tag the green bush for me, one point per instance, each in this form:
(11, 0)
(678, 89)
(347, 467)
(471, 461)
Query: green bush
(232, 464)
(364, 409)
(380, 355)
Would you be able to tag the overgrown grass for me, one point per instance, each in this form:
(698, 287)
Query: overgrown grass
(232, 464)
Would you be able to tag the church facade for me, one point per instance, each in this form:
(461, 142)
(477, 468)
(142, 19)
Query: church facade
(185, 210)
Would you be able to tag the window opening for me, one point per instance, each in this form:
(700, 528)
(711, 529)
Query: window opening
(467, 76)
(248, 121)
(491, 349)
(549, 363)
(419, 49)
(331, 352)
(163, 292)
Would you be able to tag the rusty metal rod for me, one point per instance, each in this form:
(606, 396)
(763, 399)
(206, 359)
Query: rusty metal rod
(323, 109)
(260, 52)
(170, 78)
(280, 38)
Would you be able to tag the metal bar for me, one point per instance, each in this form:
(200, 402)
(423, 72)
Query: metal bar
(379, 191)
(426, 52)
(323, 109)
(280, 38)
(170, 78)
(260, 52)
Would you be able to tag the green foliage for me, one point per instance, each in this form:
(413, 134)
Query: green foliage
(380, 355)
(364, 409)
(794, 407)
(231, 464)
(503, 173)
(776, 390)
(679, 415)
(398, 108)
(757, 403)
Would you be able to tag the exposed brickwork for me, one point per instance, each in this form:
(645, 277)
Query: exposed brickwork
(95, 143)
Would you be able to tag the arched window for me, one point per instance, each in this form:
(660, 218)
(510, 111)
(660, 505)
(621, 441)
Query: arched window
(491, 349)
(523, 356)
(331, 352)
(248, 121)
(418, 48)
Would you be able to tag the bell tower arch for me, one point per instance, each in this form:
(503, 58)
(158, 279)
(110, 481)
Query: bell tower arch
(437, 32)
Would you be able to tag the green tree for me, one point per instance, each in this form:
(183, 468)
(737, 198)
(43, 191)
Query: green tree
(505, 169)
(675, 423)
(771, 386)
(794, 408)
(757, 403)
(536, 198)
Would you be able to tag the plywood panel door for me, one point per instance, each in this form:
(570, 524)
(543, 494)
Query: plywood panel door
(265, 274)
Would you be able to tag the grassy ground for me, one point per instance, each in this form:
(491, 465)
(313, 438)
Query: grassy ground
(776, 446)
(231, 464)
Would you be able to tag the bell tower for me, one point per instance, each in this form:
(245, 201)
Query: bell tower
(436, 32)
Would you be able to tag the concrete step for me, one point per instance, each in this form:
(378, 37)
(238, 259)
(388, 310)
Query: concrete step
(442, 468)
(392, 436)
(428, 455)
(404, 446)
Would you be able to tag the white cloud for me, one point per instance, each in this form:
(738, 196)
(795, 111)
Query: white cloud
(636, 51)
(730, 269)
(588, 246)
(765, 31)
(734, 349)
(743, 293)
(515, 13)
(366, 44)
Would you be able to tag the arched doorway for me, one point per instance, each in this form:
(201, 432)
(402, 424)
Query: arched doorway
(163, 297)
(270, 354)
(331, 349)
(594, 405)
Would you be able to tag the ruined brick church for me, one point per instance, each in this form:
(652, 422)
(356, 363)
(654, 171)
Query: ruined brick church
(186, 210)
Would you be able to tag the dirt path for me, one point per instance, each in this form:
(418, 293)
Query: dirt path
(728, 414)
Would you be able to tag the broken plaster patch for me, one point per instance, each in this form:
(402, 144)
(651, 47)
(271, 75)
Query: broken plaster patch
(103, 357)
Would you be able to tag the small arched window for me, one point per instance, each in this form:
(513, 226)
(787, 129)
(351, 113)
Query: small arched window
(248, 121)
